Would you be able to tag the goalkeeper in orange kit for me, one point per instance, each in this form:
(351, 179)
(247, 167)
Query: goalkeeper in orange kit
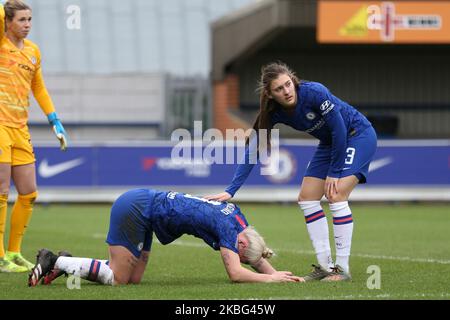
(20, 74)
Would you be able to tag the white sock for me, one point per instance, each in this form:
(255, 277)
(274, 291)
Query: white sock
(317, 226)
(89, 269)
(343, 230)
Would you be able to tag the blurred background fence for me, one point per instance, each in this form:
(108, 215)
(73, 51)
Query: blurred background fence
(133, 71)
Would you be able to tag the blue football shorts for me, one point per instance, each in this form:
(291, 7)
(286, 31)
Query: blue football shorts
(128, 226)
(360, 152)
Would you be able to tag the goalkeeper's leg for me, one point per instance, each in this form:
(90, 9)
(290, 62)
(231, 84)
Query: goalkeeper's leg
(5, 174)
(24, 177)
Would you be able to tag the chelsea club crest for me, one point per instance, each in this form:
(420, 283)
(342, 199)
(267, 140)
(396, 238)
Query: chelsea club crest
(310, 115)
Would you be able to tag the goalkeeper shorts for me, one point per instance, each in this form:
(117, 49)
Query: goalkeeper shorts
(15, 146)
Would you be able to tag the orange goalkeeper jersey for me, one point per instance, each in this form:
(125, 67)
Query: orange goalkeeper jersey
(20, 73)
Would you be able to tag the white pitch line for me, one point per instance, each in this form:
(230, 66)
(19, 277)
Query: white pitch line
(371, 256)
(309, 252)
(366, 296)
(421, 260)
(359, 255)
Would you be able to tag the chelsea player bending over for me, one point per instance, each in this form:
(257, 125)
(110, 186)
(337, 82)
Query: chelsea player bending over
(139, 213)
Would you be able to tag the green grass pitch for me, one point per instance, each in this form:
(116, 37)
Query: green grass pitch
(409, 243)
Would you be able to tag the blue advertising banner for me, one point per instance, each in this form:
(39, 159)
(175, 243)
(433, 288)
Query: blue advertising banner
(414, 163)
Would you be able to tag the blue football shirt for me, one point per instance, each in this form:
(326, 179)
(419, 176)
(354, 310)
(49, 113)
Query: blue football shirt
(321, 114)
(173, 214)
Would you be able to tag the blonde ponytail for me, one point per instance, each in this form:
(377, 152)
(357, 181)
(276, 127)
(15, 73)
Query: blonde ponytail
(257, 247)
(267, 253)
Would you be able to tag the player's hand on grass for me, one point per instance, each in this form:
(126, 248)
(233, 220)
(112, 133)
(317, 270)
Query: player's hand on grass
(224, 196)
(291, 275)
(285, 276)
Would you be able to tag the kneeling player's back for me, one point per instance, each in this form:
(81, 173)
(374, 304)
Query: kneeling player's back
(180, 214)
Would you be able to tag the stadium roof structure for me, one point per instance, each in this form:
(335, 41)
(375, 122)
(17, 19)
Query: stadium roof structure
(265, 23)
(390, 81)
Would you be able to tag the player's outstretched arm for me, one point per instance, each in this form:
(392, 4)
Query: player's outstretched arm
(237, 273)
(263, 266)
(242, 172)
(224, 196)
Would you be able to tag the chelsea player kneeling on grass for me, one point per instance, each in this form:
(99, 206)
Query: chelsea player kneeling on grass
(139, 213)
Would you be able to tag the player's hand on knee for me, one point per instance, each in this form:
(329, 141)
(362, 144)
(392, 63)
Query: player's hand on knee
(331, 187)
(58, 129)
(224, 196)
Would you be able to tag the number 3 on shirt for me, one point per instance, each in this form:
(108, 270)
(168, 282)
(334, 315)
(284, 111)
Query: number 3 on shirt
(350, 155)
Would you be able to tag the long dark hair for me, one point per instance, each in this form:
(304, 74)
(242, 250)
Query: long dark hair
(267, 106)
